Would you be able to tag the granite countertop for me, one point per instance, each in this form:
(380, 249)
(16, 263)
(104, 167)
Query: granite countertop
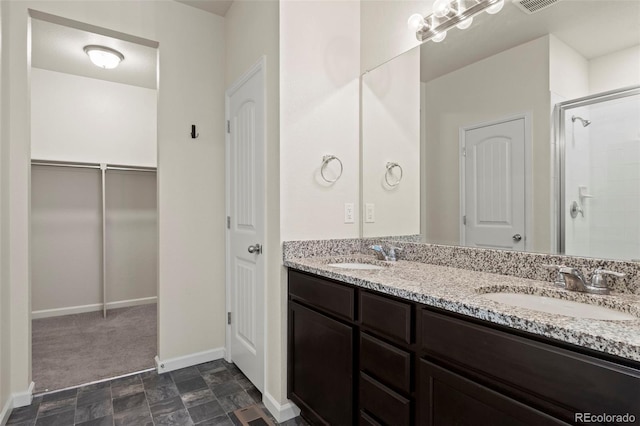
(460, 291)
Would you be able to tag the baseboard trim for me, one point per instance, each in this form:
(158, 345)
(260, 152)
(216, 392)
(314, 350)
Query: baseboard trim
(22, 399)
(164, 366)
(6, 411)
(281, 412)
(47, 313)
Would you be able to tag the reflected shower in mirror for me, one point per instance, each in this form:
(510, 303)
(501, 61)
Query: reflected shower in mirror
(599, 191)
(472, 118)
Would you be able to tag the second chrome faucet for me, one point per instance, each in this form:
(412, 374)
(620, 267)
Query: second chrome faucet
(392, 256)
(572, 279)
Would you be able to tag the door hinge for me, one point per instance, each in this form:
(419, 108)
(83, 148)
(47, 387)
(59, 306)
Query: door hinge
(228, 222)
(464, 152)
(228, 126)
(464, 219)
(228, 317)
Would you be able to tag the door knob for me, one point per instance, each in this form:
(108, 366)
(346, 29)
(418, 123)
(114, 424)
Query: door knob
(517, 237)
(256, 248)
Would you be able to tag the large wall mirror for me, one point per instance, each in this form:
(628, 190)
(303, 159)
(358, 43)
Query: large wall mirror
(521, 132)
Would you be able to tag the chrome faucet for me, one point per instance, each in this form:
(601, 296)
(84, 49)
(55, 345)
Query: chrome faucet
(382, 255)
(574, 280)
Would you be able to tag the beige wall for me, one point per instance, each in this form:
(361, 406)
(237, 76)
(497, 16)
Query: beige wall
(243, 49)
(319, 115)
(391, 133)
(384, 30)
(5, 364)
(487, 90)
(190, 173)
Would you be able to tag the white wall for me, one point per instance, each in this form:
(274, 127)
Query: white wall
(319, 114)
(83, 119)
(391, 133)
(487, 90)
(577, 173)
(614, 142)
(243, 49)
(615, 70)
(190, 173)
(66, 239)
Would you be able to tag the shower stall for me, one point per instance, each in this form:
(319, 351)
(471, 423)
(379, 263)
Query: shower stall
(598, 191)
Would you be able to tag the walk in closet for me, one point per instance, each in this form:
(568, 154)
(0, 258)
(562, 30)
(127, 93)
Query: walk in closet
(94, 215)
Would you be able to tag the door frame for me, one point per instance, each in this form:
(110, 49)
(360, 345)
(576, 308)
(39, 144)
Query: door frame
(528, 176)
(260, 65)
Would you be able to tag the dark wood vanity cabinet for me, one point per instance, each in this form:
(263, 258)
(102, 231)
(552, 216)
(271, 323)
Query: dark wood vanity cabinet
(361, 357)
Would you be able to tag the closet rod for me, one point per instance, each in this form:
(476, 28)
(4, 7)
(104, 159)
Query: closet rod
(91, 166)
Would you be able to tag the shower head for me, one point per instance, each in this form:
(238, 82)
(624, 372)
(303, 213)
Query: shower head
(584, 122)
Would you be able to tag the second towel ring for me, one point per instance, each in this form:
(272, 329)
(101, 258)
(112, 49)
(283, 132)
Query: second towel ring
(326, 160)
(390, 166)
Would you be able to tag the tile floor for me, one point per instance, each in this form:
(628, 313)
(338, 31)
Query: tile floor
(206, 394)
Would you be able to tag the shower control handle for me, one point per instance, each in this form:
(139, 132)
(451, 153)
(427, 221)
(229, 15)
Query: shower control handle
(517, 238)
(256, 248)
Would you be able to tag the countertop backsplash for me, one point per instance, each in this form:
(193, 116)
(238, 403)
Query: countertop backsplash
(513, 263)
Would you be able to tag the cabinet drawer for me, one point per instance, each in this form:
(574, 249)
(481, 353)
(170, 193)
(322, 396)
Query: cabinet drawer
(383, 403)
(386, 316)
(449, 399)
(337, 299)
(538, 372)
(390, 365)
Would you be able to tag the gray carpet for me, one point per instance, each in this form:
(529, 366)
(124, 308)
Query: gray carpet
(76, 349)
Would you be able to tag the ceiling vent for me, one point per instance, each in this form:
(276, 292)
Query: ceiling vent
(532, 6)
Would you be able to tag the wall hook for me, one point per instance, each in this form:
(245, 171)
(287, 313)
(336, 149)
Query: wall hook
(194, 135)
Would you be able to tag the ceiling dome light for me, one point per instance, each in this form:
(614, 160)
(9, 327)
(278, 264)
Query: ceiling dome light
(415, 22)
(104, 57)
(441, 8)
(495, 8)
(465, 24)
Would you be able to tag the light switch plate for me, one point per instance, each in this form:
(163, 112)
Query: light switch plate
(349, 215)
(370, 213)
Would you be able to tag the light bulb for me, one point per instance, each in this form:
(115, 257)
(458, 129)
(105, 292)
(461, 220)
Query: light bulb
(415, 22)
(439, 37)
(441, 8)
(492, 10)
(104, 57)
(465, 24)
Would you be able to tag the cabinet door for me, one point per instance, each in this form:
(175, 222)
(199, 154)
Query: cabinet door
(321, 365)
(447, 399)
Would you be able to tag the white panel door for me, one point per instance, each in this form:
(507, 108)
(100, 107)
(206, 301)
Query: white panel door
(494, 188)
(246, 115)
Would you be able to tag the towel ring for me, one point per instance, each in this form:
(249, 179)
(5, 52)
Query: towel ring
(390, 166)
(326, 160)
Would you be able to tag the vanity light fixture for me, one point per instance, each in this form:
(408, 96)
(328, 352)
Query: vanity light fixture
(104, 57)
(449, 13)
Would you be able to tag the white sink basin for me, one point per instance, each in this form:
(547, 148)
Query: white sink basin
(559, 306)
(355, 265)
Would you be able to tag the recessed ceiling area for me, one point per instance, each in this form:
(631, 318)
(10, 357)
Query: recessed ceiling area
(61, 48)
(592, 28)
(218, 7)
